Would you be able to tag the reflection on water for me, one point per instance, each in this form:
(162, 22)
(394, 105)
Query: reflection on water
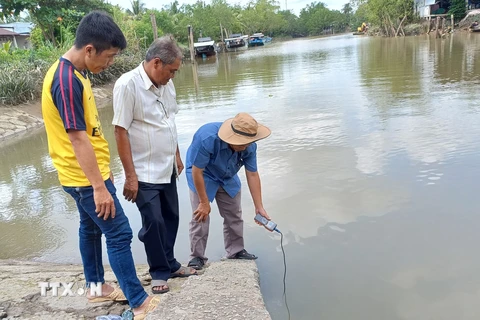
(370, 172)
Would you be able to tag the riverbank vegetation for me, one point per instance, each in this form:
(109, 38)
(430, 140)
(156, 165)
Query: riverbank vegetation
(55, 21)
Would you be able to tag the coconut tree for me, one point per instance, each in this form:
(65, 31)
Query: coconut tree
(138, 7)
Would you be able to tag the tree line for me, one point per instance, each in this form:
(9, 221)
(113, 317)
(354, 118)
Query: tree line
(53, 18)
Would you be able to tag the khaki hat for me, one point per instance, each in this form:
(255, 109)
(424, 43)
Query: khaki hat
(243, 129)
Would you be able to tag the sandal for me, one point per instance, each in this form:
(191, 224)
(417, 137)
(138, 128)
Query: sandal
(244, 255)
(152, 305)
(196, 263)
(184, 272)
(159, 283)
(116, 295)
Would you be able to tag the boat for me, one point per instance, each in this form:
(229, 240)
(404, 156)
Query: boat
(258, 39)
(359, 33)
(474, 28)
(205, 47)
(236, 42)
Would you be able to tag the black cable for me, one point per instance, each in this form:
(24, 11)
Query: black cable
(284, 275)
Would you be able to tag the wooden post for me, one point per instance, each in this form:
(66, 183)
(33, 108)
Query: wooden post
(154, 26)
(221, 31)
(453, 22)
(443, 25)
(437, 26)
(195, 78)
(190, 43)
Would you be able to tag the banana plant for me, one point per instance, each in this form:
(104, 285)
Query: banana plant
(6, 46)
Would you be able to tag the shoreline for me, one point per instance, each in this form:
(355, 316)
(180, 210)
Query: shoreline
(227, 289)
(15, 121)
(18, 120)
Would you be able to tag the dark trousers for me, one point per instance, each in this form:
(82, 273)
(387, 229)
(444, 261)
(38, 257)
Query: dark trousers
(158, 205)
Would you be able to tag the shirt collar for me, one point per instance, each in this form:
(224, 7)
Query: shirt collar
(223, 144)
(146, 80)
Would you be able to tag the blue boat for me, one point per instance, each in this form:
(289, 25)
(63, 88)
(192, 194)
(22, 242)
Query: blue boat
(258, 39)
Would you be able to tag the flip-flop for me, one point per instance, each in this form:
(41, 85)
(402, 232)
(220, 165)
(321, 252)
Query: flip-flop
(159, 283)
(152, 305)
(196, 263)
(116, 295)
(183, 272)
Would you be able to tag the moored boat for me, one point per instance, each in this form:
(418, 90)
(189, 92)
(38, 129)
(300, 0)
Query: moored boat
(236, 41)
(205, 47)
(258, 39)
(474, 29)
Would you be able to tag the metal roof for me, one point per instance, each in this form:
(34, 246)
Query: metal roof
(6, 32)
(18, 27)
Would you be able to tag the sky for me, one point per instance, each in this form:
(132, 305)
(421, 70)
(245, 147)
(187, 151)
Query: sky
(295, 5)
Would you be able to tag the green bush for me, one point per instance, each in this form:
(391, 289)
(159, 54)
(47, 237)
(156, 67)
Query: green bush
(414, 29)
(19, 83)
(123, 63)
(22, 73)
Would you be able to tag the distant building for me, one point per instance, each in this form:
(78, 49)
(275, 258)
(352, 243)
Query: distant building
(8, 36)
(473, 4)
(427, 8)
(16, 32)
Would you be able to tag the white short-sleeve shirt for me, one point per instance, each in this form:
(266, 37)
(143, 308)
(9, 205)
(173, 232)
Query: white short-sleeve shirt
(148, 115)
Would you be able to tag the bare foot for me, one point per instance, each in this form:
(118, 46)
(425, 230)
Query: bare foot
(160, 288)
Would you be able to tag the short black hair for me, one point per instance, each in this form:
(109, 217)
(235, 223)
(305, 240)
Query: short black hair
(99, 29)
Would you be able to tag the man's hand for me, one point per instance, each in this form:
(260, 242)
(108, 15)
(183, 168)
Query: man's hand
(104, 204)
(202, 212)
(111, 177)
(130, 188)
(263, 213)
(180, 166)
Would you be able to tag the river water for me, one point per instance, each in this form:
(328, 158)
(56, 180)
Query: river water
(371, 173)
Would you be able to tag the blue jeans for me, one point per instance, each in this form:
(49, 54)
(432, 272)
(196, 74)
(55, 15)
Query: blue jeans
(118, 236)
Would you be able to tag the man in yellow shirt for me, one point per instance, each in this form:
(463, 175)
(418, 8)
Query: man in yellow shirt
(80, 154)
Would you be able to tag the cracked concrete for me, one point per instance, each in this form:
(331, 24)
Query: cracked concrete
(227, 290)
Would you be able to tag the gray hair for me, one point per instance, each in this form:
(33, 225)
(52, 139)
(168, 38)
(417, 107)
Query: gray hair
(166, 49)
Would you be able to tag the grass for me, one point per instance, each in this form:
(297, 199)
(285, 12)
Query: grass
(22, 73)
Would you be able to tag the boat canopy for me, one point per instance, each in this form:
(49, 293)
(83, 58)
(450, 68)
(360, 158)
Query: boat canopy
(203, 44)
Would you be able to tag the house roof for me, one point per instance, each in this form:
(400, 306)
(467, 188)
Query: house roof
(5, 32)
(18, 27)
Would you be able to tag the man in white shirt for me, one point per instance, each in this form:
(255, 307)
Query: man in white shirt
(144, 102)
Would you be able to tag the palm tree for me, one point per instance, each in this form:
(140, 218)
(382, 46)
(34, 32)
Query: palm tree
(347, 9)
(138, 7)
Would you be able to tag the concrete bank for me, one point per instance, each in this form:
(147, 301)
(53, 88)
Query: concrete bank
(224, 290)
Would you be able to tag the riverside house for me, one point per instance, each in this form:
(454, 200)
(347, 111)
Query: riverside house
(18, 33)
